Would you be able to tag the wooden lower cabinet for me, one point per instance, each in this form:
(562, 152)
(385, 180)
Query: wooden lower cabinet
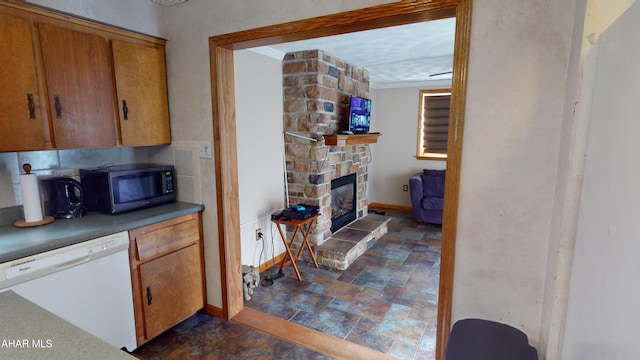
(167, 274)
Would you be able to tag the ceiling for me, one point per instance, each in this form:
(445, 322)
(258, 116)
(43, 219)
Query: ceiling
(394, 56)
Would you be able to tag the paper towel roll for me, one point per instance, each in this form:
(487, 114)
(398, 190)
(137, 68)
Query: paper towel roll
(30, 198)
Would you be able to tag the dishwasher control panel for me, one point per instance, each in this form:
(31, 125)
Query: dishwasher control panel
(106, 245)
(34, 266)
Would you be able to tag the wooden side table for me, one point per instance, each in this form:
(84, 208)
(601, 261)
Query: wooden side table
(302, 226)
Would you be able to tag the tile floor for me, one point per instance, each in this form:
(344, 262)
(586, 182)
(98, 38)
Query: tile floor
(386, 300)
(204, 336)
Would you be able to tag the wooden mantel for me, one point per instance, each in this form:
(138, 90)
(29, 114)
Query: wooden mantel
(350, 140)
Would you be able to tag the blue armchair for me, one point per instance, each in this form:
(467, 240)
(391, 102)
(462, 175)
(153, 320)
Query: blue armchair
(427, 195)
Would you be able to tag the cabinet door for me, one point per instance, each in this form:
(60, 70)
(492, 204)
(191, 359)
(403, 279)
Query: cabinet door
(80, 89)
(21, 123)
(141, 85)
(171, 289)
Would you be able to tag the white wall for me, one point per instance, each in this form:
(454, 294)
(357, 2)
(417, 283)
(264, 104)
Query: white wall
(139, 15)
(518, 65)
(602, 316)
(258, 85)
(395, 115)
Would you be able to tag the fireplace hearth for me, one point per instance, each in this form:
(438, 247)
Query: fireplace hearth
(343, 201)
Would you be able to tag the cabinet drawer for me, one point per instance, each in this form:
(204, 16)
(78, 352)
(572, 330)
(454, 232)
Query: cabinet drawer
(167, 239)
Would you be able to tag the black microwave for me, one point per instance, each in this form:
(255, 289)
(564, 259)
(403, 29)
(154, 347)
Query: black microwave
(121, 188)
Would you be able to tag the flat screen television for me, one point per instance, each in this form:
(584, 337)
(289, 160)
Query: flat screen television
(359, 115)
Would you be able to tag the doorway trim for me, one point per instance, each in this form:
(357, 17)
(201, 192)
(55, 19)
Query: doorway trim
(221, 49)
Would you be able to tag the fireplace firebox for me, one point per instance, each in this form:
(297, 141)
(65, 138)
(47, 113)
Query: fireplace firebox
(343, 201)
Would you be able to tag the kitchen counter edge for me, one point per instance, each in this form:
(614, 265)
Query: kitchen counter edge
(17, 243)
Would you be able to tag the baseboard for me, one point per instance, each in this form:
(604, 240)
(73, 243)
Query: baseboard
(391, 206)
(214, 310)
(307, 337)
(268, 264)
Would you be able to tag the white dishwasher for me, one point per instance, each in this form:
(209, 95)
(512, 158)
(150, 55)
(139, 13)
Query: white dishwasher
(87, 284)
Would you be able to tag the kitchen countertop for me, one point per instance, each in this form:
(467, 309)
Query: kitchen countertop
(31, 332)
(16, 243)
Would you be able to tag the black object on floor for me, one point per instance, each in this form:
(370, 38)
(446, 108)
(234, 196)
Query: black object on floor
(276, 276)
(472, 339)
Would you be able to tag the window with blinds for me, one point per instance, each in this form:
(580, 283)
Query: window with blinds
(433, 124)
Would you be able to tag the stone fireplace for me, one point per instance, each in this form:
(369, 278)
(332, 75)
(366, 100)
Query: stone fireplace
(317, 87)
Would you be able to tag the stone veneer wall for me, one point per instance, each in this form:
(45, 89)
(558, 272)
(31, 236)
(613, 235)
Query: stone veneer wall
(317, 87)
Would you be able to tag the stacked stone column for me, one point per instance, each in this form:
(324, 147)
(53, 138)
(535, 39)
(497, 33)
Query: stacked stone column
(317, 88)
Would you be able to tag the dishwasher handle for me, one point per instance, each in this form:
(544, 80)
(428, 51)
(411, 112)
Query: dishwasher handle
(149, 296)
(72, 263)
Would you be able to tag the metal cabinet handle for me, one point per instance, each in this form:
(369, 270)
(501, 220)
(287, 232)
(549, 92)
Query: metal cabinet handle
(149, 296)
(58, 106)
(32, 106)
(125, 109)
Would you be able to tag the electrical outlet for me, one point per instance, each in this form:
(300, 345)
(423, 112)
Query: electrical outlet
(258, 234)
(405, 187)
(204, 149)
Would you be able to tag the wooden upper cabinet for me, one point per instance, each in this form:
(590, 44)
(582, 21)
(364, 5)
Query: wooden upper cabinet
(141, 88)
(21, 116)
(64, 83)
(80, 88)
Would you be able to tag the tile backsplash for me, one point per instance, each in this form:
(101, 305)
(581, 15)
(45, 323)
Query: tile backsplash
(182, 154)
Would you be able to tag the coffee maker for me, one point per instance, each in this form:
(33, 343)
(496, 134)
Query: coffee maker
(65, 198)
